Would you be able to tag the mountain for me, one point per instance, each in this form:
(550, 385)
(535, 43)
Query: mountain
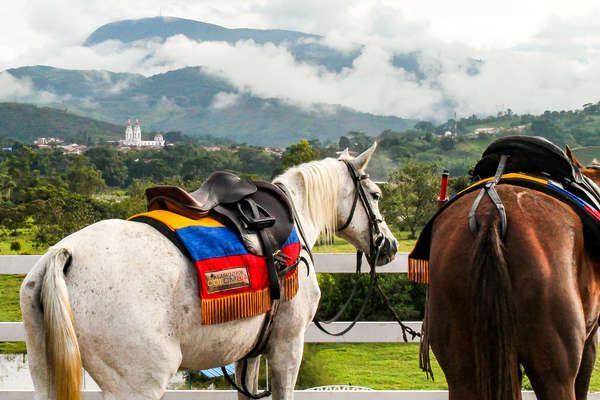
(197, 103)
(305, 47)
(26, 122)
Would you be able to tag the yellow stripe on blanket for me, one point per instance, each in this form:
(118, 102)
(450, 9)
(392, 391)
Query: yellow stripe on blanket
(176, 221)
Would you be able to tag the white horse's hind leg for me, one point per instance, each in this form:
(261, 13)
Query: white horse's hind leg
(144, 377)
(251, 375)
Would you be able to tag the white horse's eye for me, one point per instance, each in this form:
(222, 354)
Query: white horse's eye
(376, 195)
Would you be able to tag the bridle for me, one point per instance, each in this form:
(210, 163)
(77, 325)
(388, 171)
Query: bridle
(376, 237)
(376, 242)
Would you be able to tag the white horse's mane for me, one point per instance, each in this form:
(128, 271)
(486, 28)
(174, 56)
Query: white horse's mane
(321, 187)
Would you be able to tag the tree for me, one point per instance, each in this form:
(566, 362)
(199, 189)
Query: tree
(360, 141)
(447, 143)
(344, 143)
(410, 198)
(83, 178)
(424, 126)
(111, 163)
(299, 153)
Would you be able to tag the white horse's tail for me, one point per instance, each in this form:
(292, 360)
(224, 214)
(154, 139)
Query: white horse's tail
(62, 349)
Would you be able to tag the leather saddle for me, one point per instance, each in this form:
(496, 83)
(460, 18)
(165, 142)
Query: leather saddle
(536, 155)
(244, 206)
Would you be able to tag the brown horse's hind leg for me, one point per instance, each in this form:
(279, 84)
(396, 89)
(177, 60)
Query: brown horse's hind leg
(551, 356)
(582, 382)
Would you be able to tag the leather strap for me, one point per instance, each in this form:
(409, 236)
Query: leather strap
(490, 190)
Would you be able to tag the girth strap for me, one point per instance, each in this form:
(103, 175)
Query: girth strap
(257, 219)
(490, 189)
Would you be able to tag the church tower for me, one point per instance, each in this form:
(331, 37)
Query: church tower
(128, 133)
(137, 133)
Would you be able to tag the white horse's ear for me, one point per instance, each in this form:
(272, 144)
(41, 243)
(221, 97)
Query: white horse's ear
(361, 161)
(344, 155)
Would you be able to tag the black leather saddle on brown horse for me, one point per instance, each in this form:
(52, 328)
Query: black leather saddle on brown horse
(536, 155)
(258, 211)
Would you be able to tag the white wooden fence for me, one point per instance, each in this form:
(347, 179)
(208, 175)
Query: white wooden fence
(362, 332)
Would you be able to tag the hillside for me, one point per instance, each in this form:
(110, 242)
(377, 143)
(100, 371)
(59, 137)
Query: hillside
(198, 104)
(26, 122)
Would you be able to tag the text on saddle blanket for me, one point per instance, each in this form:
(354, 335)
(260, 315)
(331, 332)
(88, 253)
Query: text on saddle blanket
(233, 282)
(418, 259)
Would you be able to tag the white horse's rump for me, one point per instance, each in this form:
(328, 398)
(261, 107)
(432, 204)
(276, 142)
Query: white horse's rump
(134, 301)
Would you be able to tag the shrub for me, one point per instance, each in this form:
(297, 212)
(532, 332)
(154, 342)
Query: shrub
(17, 245)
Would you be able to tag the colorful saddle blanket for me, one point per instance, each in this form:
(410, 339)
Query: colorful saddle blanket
(418, 259)
(233, 283)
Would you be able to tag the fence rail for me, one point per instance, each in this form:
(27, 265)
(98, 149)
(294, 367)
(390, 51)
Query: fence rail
(324, 262)
(363, 332)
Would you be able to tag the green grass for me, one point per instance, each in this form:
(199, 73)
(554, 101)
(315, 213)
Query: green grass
(26, 235)
(9, 297)
(12, 347)
(586, 155)
(382, 366)
(341, 246)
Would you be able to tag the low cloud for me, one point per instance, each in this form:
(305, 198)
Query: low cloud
(15, 89)
(224, 100)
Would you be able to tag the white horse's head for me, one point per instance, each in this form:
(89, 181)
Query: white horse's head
(362, 224)
(336, 197)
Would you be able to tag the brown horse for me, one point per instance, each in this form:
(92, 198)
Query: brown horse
(530, 300)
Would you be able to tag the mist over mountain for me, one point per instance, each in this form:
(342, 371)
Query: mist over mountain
(305, 47)
(196, 103)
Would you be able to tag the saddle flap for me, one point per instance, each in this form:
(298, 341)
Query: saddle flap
(528, 154)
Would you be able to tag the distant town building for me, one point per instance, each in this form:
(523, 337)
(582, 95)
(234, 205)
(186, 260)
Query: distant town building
(133, 137)
(74, 148)
(211, 148)
(48, 141)
(275, 150)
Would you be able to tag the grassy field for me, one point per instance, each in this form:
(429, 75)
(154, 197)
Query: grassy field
(341, 246)
(26, 238)
(586, 155)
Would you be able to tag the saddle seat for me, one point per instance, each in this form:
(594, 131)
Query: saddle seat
(528, 154)
(224, 196)
(536, 155)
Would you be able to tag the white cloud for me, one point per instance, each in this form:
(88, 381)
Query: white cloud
(225, 100)
(15, 89)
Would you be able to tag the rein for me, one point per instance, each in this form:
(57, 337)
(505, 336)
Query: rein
(376, 244)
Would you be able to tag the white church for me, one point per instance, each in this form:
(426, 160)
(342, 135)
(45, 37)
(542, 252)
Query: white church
(133, 137)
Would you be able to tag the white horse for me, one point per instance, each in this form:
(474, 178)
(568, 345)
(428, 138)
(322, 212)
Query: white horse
(120, 299)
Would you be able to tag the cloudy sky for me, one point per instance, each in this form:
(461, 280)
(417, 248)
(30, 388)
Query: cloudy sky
(537, 54)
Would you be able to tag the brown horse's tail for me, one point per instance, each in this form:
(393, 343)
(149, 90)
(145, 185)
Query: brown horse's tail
(62, 348)
(494, 325)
